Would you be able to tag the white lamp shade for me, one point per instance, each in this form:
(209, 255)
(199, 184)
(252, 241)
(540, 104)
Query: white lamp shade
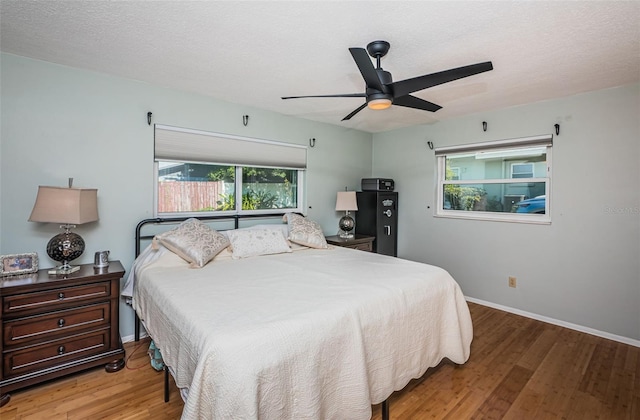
(73, 206)
(346, 201)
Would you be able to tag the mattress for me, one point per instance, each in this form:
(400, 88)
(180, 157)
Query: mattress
(312, 334)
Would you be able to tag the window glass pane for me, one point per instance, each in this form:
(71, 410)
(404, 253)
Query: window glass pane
(501, 197)
(195, 187)
(269, 188)
(452, 172)
(527, 162)
(522, 170)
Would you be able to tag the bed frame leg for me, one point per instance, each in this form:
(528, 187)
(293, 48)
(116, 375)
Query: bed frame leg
(385, 410)
(166, 384)
(137, 328)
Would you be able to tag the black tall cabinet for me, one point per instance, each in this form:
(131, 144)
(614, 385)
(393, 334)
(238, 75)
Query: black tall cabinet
(377, 216)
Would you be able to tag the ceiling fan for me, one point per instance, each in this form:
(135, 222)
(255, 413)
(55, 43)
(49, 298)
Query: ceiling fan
(381, 91)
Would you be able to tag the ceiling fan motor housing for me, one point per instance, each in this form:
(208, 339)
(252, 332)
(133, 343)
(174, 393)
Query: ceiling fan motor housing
(386, 93)
(376, 95)
(385, 77)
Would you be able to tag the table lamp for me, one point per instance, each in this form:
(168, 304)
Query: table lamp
(346, 201)
(68, 207)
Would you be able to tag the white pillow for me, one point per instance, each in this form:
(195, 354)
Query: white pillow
(282, 227)
(304, 231)
(254, 242)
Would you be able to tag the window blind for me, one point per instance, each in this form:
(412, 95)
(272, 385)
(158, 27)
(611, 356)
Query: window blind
(187, 145)
(535, 141)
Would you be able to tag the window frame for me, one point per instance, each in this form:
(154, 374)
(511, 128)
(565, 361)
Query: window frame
(512, 164)
(499, 145)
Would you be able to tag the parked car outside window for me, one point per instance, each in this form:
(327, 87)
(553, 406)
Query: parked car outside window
(532, 205)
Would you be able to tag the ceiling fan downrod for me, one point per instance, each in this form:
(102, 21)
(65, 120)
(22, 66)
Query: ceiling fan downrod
(377, 50)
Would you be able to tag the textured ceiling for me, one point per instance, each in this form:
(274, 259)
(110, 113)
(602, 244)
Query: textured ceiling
(252, 53)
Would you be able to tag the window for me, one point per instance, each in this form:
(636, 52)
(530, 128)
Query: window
(206, 172)
(507, 180)
(522, 170)
(191, 187)
(269, 188)
(454, 173)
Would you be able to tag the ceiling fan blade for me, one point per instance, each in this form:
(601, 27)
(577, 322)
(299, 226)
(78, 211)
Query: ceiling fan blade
(355, 111)
(367, 70)
(407, 86)
(343, 95)
(417, 103)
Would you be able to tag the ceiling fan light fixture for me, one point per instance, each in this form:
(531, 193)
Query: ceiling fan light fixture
(378, 104)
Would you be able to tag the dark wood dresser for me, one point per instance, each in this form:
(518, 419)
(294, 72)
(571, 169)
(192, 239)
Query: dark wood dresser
(361, 242)
(53, 325)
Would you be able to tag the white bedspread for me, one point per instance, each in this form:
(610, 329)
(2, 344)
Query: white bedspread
(314, 334)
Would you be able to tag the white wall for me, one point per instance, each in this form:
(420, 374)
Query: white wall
(584, 268)
(60, 122)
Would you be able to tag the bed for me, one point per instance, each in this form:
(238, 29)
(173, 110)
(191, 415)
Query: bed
(312, 332)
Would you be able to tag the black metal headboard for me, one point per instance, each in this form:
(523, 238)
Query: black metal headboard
(235, 218)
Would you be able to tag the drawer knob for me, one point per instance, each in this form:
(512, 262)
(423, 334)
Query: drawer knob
(61, 322)
(60, 296)
(61, 350)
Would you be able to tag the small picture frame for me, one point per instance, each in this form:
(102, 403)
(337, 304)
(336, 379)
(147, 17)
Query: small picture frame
(14, 264)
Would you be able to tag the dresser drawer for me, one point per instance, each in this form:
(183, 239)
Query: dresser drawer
(55, 298)
(48, 326)
(52, 353)
(359, 242)
(362, 247)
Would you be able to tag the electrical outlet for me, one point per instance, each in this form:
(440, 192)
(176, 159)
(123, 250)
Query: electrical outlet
(512, 281)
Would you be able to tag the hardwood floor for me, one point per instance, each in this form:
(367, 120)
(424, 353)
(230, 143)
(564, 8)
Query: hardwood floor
(519, 369)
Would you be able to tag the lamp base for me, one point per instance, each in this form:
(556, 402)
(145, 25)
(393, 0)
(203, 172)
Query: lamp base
(346, 225)
(62, 270)
(65, 247)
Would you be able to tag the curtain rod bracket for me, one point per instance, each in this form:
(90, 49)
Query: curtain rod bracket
(149, 114)
(312, 142)
(557, 126)
(245, 120)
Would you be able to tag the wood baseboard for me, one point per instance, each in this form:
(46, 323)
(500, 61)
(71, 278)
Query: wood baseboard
(576, 327)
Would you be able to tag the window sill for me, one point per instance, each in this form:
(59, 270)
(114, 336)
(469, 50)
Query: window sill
(497, 217)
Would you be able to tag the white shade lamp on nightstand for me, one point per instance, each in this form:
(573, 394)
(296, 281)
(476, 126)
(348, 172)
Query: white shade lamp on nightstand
(346, 201)
(68, 207)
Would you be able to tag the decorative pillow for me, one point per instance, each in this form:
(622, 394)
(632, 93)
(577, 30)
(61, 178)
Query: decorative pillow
(282, 227)
(254, 242)
(304, 231)
(194, 241)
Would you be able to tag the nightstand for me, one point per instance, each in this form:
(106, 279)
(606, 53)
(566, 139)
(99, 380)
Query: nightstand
(361, 242)
(54, 325)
